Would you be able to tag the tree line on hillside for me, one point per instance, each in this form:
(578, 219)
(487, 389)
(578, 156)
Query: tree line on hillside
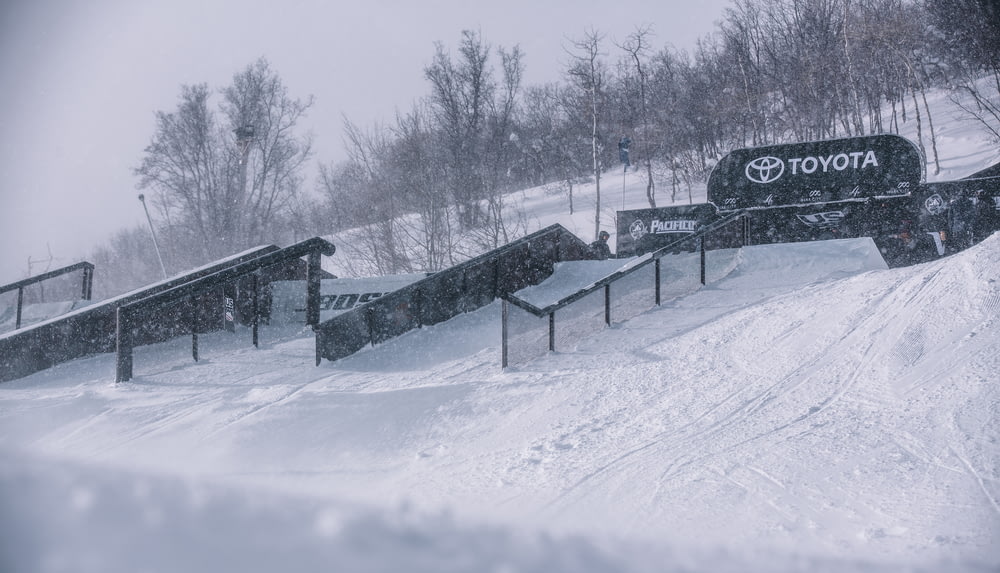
(430, 188)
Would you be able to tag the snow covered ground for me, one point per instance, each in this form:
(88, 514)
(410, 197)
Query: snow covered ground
(811, 410)
(808, 410)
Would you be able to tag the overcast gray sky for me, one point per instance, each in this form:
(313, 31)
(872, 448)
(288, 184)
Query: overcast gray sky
(80, 81)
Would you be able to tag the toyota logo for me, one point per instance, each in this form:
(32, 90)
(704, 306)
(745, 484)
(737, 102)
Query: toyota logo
(765, 169)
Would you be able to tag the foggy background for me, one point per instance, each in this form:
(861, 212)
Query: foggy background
(82, 80)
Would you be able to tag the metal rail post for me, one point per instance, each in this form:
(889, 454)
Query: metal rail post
(312, 288)
(20, 305)
(657, 265)
(255, 303)
(504, 310)
(123, 349)
(552, 332)
(607, 304)
(194, 327)
(702, 260)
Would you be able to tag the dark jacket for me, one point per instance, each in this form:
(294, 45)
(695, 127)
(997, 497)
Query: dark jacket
(600, 249)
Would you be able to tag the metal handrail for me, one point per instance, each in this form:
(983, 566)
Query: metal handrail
(87, 286)
(643, 260)
(606, 282)
(127, 314)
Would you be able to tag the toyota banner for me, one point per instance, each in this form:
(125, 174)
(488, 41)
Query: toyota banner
(926, 221)
(851, 169)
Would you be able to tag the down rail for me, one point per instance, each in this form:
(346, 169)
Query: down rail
(606, 282)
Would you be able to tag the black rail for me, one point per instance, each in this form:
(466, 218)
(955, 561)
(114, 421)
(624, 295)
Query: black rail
(448, 293)
(87, 286)
(606, 282)
(130, 315)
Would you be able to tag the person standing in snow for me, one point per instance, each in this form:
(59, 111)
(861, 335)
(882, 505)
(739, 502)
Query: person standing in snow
(623, 144)
(600, 248)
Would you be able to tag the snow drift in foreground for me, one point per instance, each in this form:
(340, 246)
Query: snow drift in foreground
(810, 410)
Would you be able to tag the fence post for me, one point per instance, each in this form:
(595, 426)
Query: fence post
(702, 241)
(503, 333)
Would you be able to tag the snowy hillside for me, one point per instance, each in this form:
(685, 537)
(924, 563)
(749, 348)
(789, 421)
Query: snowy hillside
(808, 410)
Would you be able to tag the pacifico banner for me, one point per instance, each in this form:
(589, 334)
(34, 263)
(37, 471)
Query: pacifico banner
(645, 230)
(851, 169)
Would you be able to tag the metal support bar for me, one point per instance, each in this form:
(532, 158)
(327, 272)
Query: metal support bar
(702, 260)
(418, 302)
(370, 322)
(123, 349)
(312, 288)
(607, 304)
(504, 315)
(20, 305)
(194, 328)
(552, 332)
(657, 265)
(88, 282)
(255, 304)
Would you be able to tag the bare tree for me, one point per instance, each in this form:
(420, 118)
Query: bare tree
(637, 46)
(219, 183)
(587, 74)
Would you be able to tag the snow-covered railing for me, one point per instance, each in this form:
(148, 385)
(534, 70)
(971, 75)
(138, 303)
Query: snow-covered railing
(448, 293)
(91, 329)
(131, 316)
(627, 270)
(19, 286)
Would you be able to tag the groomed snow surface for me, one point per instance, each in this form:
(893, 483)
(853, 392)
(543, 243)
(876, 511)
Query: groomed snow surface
(808, 410)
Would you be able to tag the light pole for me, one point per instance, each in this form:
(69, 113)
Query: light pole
(142, 199)
(244, 137)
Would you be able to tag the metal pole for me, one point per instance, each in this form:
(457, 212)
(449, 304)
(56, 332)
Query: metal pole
(256, 309)
(657, 282)
(123, 346)
(156, 245)
(703, 260)
(193, 302)
(503, 333)
(313, 270)
(552, 332)
(88, 282)
(607, 304)
(20, 304)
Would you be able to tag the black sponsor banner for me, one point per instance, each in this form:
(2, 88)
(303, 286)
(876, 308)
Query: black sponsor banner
(815, 172)
(935, 219)
(643, 230)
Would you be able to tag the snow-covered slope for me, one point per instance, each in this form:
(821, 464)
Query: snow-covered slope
(809, 411)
